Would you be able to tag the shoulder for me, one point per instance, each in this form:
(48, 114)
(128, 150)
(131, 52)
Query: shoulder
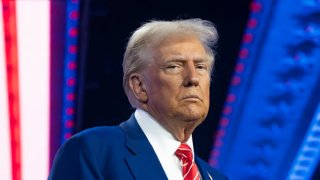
(86, 153)
(94, 139)
(92, 143)
(99, 135)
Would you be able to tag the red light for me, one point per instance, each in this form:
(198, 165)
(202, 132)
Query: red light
(11, 55)
(218, 143)
(247, 38)
(227, 110)
(216, 153)
(224, 122)
(73, 32)
(231, 98)
(73, 49)
(69, 124)
(70, 111)
(74, 15)
(72, 65)
(236, 81)
(213, 162)
(239, 67)
(220, 133)
(71, 82)
(252, 23)
(67, 135)
(243, 53)
(70, 96)
(255, 7)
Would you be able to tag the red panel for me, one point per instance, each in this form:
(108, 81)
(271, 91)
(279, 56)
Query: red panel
(10, 32)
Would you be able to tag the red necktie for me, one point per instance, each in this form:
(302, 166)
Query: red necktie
(189, 168)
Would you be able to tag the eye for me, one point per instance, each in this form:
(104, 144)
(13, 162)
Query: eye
(172, 67)
(202, 67)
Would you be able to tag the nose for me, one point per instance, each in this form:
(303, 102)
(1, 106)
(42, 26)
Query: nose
(191, 78)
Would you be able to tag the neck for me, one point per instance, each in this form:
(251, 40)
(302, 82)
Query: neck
(179, 128)
(181, 133)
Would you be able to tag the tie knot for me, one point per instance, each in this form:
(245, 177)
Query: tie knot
(184, 152)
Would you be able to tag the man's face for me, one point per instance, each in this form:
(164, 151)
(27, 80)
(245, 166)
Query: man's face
(177, 82)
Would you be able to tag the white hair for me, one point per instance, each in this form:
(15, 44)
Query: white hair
(152, 33)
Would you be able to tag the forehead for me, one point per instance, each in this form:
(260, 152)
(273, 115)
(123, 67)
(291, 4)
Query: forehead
(181, 45)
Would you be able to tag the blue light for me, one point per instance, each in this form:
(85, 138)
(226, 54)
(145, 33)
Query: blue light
(70, 74)
(309, 153)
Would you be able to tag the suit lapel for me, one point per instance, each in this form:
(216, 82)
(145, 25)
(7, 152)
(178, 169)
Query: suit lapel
(144, 163)
(205, 174)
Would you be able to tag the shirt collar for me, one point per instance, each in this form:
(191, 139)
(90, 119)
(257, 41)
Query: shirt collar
(158, 136)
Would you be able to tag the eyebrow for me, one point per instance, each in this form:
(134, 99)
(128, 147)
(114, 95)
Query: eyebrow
(182, 58)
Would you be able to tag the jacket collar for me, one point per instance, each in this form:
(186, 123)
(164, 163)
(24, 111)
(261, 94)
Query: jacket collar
(205, 175)
(144, 163)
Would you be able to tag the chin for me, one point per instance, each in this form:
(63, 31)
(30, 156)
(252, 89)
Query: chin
(196, 117)
(195, 112)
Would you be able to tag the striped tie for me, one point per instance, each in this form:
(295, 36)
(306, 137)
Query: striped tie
(189, 168)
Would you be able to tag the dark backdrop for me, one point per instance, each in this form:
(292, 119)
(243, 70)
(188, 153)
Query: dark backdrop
(105, 29)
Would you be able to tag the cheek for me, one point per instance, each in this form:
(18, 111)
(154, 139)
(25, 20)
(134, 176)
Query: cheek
(162, 91)
(168, 92)
(207, 94)
(169, 85)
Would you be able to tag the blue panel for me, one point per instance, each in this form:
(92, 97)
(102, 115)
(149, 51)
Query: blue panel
(309, 154)
(70, 66)
(274, 92)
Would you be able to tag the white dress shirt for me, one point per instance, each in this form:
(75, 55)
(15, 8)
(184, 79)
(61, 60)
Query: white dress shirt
(164, 144)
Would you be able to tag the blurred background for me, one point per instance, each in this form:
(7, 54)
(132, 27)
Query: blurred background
(61, 73)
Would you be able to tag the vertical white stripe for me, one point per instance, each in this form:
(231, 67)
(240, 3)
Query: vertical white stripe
(5, 148)
(33, 28)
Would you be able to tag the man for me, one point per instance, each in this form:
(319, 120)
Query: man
(167, 67)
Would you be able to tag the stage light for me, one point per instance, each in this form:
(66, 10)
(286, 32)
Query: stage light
(5, 150)
(309, 153)
(70, 69)
(33, 32)
(11, 57)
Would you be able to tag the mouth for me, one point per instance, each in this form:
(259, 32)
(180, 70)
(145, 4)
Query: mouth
(192, 98)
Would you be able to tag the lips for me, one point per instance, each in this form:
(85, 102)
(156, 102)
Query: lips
(191, 97)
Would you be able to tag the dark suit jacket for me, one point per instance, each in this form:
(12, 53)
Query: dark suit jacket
(117, 152)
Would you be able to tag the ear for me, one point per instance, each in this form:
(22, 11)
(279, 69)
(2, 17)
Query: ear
(136, 83)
